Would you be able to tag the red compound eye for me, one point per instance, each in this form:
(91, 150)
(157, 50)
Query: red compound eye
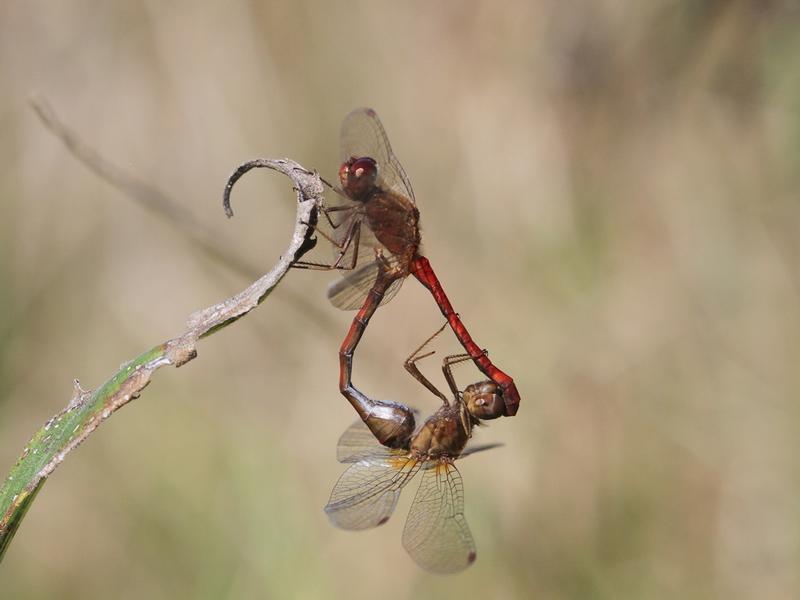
(364, 167)
(358, 176)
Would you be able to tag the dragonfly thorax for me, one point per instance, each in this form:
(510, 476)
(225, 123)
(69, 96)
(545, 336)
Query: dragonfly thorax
(445, 433)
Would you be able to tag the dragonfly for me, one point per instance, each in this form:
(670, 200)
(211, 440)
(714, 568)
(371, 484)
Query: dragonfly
(436, 534)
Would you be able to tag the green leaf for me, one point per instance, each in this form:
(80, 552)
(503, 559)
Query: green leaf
(66, 431)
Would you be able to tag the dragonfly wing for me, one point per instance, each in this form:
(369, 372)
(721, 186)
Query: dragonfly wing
(436, 534)
(367, 492)
(350, 292)
(358, 442)
(354, 226)
(362, 134)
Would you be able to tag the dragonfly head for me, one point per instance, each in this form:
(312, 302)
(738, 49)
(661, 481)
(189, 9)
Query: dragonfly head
(358, 176)
(484, 400)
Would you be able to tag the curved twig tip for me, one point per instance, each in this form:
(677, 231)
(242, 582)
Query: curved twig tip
(237, 174)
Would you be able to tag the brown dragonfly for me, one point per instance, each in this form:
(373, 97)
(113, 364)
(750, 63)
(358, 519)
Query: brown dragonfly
(436, 534)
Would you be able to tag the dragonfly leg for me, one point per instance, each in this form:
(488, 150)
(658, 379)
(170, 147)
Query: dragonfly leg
(327, 210)
(447, 365)
(352, 238)
(411, 366)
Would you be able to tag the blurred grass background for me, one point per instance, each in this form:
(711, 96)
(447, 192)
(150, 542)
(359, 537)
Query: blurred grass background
(608, 190)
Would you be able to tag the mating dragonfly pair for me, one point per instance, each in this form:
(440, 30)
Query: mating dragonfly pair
(373, 225)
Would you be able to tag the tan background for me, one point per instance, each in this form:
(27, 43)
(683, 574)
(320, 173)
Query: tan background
(609, 192)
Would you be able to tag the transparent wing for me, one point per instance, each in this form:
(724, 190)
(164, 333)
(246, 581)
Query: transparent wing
(364, 246)
(363, 135)
(367, 492)
(355, 243)
(349, 292)
(357, 442)
(436, 534)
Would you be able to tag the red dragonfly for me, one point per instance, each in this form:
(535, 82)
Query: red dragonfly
(436, 534)
(379, 229)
